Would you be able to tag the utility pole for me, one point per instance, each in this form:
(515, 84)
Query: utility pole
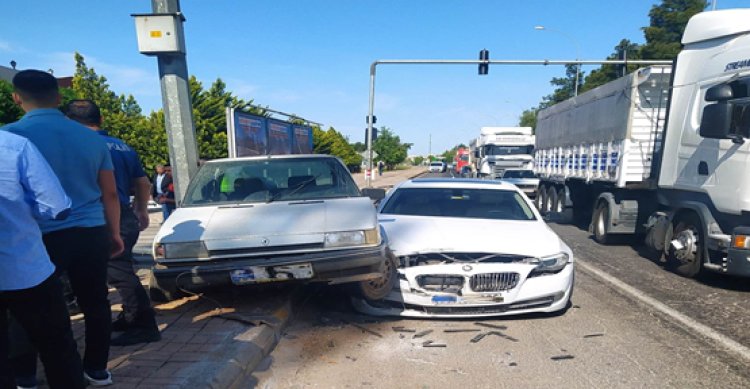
(161, 34)
(429, 149)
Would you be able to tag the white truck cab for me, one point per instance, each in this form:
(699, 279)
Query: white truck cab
(501, 148)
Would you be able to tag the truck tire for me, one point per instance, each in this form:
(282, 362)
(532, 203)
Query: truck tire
(600, 224)
(542, 200)
(538, 198)
(688, 260)
(377, 289)
(162, 290)
(552, 200)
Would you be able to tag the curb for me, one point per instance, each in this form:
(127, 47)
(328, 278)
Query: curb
(245, 354)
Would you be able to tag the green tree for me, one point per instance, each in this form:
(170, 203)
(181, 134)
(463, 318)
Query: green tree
(565, 87)
(607, 73)
(389, 147)
(418, 160)
(528, 118)
(9, 111)
(359, 147)
(668, 21)
(333, 142)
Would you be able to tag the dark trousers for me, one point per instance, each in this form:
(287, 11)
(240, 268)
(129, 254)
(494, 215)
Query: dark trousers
(136, 305)
(83, 254)
(41, 311)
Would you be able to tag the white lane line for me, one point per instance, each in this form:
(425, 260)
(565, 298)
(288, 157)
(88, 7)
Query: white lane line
(703, 330)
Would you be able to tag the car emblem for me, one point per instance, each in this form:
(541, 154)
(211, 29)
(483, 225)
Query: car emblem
(467, 268)
(264, 241)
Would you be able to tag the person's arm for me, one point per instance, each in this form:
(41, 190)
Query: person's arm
(142, 189)
(39, 180)
(111, 203)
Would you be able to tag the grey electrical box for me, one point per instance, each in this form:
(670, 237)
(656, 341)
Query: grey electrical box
(160, 33)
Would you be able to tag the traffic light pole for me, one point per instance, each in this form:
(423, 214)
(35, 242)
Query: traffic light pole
(544, 62)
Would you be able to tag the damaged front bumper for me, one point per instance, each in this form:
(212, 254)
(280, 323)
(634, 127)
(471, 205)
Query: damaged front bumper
(332, 267)
(473, 290)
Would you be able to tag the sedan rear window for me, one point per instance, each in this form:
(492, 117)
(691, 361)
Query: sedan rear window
(262, 180)
(459, 202)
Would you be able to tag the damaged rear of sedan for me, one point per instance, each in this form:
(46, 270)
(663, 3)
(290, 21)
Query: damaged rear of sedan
(470, 248)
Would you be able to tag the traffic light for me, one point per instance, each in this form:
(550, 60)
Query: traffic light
(374, 134)
(484, 55)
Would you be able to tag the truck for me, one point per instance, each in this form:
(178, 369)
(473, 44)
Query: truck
(462, 162)
(500, 148)
(662, 152)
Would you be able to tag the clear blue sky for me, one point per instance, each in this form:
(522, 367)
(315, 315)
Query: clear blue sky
(312, 57)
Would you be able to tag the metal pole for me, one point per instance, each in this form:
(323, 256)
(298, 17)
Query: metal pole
(370, 116)
(178, 112)
(544, 62)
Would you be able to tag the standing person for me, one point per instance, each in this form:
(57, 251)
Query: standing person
(28, 287)
(381, 166)
(82, 243)
(137, 321)
(160, 190)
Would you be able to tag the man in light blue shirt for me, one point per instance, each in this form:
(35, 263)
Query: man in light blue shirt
(29, 191)
(81, 244)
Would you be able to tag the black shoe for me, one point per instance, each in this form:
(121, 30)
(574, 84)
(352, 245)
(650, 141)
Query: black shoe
(120, 324)
(136, 335)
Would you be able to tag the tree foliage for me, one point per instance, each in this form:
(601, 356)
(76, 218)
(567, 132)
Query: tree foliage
(528, 118)
(9, 111)
(663, 35)
(389, 147)
(334, 143)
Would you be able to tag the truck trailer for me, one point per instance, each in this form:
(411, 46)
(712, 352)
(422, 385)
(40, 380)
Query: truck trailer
(500, 148)
(662, 152)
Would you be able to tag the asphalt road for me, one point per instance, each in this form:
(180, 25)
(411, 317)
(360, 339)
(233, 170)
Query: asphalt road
(607, 339)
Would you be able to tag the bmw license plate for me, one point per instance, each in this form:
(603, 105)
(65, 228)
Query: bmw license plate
(445, 299)
(261, 274)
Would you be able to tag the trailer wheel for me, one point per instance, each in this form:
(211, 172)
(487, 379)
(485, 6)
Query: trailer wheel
(541, 200)
(685, 252)
(559, 206)
(552, 200)
(600, 222)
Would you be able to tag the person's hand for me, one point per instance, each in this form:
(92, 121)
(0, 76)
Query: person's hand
(143, 219)
(160, 200)
(116, 247)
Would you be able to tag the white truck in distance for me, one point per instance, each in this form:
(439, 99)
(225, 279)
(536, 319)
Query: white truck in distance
(500, 148)
(665, 158)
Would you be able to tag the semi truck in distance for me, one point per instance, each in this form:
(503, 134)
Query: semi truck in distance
(500, 148)
(663, 152)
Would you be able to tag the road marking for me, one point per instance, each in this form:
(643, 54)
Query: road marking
(702, 329)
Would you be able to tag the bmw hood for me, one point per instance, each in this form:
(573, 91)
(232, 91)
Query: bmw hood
(409, 235)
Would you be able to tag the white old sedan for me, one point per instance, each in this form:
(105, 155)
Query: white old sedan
(470, 248)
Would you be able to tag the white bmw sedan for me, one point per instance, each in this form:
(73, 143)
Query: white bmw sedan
(470, 248)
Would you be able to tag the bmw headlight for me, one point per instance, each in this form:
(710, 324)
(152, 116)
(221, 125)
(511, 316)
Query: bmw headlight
(352, 238)
(181, 250)
(549, 264)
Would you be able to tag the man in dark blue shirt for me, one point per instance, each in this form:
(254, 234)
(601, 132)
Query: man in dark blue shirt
(82, 243)
(137, 321)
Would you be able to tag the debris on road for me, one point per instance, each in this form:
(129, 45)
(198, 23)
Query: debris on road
(403, 329)
(421, 334)
(454, 330)
(493, 326)
(430, 343)
(477, 338)
(363, 328)
(593, 335)
(561, 357)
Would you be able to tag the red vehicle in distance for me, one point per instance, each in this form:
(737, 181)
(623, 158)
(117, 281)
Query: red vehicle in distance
(462, 162)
